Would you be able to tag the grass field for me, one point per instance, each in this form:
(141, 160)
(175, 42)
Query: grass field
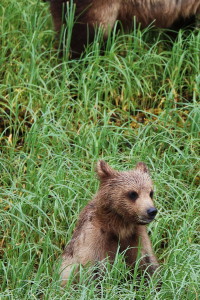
(138, 102)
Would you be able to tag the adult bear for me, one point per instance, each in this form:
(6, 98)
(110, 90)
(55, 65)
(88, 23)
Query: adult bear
(94, 13)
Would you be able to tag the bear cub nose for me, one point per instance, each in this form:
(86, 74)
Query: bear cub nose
(152, 212)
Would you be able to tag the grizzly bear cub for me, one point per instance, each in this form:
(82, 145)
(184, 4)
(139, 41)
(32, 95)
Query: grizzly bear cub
(90, 14)
(116, 217)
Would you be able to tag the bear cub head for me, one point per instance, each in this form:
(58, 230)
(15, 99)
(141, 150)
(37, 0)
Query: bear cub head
(127, 194)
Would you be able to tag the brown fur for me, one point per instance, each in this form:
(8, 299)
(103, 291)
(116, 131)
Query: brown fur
(104, 13)
(113, 219)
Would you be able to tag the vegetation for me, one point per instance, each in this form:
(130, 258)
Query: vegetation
(137, 102)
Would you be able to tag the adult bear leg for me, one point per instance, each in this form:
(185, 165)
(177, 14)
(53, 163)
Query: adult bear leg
(90, 15)
(57, 8)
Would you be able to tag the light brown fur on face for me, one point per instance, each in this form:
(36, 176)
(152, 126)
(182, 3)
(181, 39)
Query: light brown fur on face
(116, 217)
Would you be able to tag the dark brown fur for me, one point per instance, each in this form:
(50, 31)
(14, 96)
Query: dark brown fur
(113, 219)
(104, 13)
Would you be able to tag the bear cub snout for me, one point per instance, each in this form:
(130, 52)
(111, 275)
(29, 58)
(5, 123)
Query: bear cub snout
(115, 218)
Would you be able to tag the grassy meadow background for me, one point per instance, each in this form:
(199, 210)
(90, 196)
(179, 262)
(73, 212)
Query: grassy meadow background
(138, 102)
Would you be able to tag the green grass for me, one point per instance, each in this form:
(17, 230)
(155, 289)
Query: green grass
(138, 102)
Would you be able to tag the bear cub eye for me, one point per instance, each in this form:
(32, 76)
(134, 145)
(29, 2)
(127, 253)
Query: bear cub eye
(151, 194)
(133, 195)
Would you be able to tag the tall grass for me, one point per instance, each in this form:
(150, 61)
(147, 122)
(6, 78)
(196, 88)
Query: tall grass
(138, 101)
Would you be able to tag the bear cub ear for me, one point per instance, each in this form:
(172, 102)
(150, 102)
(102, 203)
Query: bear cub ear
(142, 167)
(104, 170)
